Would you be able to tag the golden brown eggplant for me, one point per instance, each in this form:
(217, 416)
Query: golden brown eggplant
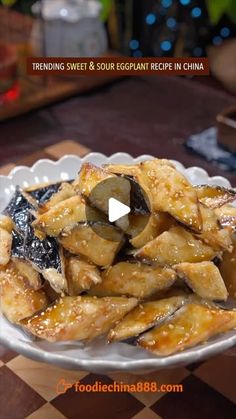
(5, 246)
(134, 169)
(78, 318)
(167, 190)
(123, 169)
(215, 196)
(212, 233)
(227, 217)
(82, 240)
(170, 191)
(134, 279)
(89, 177)
(157, 224)
(64, 215)
(190, 325)
(81, 275)
(227, 269)
(90, 183)
(204, 279)
(18, 299)
(137, 223)
(175, 246)
(57, 280)
(6, 223)
(26, 270)
(65, 191)
(145, 316)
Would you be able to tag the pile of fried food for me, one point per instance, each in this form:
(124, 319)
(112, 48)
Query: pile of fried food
(158, 284)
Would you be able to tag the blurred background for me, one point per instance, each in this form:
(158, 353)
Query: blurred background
(135, 28)
(142, 28)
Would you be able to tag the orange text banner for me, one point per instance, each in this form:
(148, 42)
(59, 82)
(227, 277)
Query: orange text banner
(122, 66)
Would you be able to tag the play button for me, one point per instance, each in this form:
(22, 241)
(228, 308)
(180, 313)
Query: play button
(122, 205)
(116, 210)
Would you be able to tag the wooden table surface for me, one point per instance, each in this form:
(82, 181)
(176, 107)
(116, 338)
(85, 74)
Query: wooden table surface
(151, 116)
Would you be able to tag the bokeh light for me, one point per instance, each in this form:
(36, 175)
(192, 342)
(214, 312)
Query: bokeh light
(225, 32)
(134, 44)
(171, 23)
(151, 19)
(166, 45)
(185, 2)
(196, 12)
(217, 40)
(166, 3)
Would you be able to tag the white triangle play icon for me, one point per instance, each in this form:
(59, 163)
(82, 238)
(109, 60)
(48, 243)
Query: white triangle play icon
(116, 209)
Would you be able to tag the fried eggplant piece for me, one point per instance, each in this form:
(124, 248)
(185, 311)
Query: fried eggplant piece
(123, 169)
(26, 270)
(18, 210)
(227, 269)
(5, 246)
(78, 318)
(6, 223)
(190, 325)
(18, 245)
(137, 223)
(215, 196)
(139, 202)
(170, 191)
(89, 177)
(63, 215)
(91, 184)
(56, 279)
(65, 191)
(144, 317)
(204, 279)
(157, 224)
(43, 192)
(51, 294)
(82, 240)
(227, 217)
(212, 233)
(175, 246)
(179, 289)
(81, 275)
(134, 279)
(43, 254)
(18, 300)
(167, 190)
(133, 169)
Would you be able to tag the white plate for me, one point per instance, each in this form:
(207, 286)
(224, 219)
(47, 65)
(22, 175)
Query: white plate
(97, 356)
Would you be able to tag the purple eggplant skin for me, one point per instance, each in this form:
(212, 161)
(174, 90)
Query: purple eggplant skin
(18, 209)
(42, 195)
(43, 254)
(18, 245)
(139, 202)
